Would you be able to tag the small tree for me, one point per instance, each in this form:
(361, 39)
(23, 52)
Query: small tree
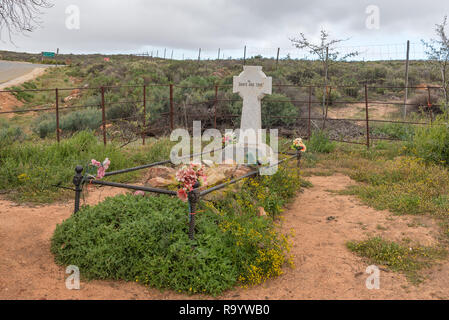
(20, 16)
(437, 51)
(326, 51)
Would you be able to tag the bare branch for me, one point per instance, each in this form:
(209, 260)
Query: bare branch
(319, 50)
(21, 16)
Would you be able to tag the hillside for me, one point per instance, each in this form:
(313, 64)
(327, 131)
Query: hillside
(195, 98)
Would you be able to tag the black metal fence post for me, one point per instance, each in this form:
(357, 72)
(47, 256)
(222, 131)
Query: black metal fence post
(193, 198)
(77, 180)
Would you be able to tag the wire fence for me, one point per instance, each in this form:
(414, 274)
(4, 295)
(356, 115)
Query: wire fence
(373, 52)
(352, 117)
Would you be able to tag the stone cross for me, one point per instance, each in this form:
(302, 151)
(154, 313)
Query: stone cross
(252, 85)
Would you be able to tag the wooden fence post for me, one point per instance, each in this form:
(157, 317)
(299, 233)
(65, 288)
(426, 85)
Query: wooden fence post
(367, 116)
(57, 114)
(103, 115)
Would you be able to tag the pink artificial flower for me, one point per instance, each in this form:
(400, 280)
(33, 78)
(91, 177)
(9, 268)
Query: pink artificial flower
(95, 163)
(100, 172)
(188, 176)
(182, 194)
(139, 193)
(102, 167)
(106, 163)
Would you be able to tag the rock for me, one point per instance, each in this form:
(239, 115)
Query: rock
(75, 92)
(160, 171)
(261, 212)
(236, 172)
(208, 163)
(159, 182)
(229, 161)
(220, 173)
(215, 177)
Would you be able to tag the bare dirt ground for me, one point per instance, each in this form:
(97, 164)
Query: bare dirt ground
(322, 222)
(357, 111)
(8, 102)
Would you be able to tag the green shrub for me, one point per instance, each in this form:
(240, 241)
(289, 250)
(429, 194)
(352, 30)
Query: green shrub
(404, 185)
(72, 122)
(145, 239)
(397, 257)
(24, 96)
(394, 130)
(351, 88)
(275, 105)
(29, 169)
(116, 111)
(319, 142)
(331, 97)
(9, 135)
(431, 143)
(301, 77)
(280, 108)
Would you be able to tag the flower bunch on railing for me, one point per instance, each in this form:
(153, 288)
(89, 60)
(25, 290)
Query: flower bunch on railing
(299, 145)
(101, 167)
(229, 138)
(188, 176)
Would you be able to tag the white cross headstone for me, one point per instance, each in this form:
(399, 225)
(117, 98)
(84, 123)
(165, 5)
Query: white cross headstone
(252, 85)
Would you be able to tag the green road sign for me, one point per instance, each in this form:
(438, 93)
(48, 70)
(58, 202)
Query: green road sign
(48, 54)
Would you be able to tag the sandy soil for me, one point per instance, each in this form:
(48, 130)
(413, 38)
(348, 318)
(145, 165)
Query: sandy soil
(8, 103)
(357, 111)
(324, 268)
(36, 72)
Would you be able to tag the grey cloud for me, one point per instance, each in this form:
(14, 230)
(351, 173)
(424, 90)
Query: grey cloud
(114, 26)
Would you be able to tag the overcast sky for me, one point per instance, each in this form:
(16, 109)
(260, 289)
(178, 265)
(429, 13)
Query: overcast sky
(112, 26)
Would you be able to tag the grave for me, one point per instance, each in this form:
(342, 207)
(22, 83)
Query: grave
(252, 85)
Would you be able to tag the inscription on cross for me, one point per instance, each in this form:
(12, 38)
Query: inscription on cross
(252, 85)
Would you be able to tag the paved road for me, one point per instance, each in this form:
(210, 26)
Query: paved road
(11, 69)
